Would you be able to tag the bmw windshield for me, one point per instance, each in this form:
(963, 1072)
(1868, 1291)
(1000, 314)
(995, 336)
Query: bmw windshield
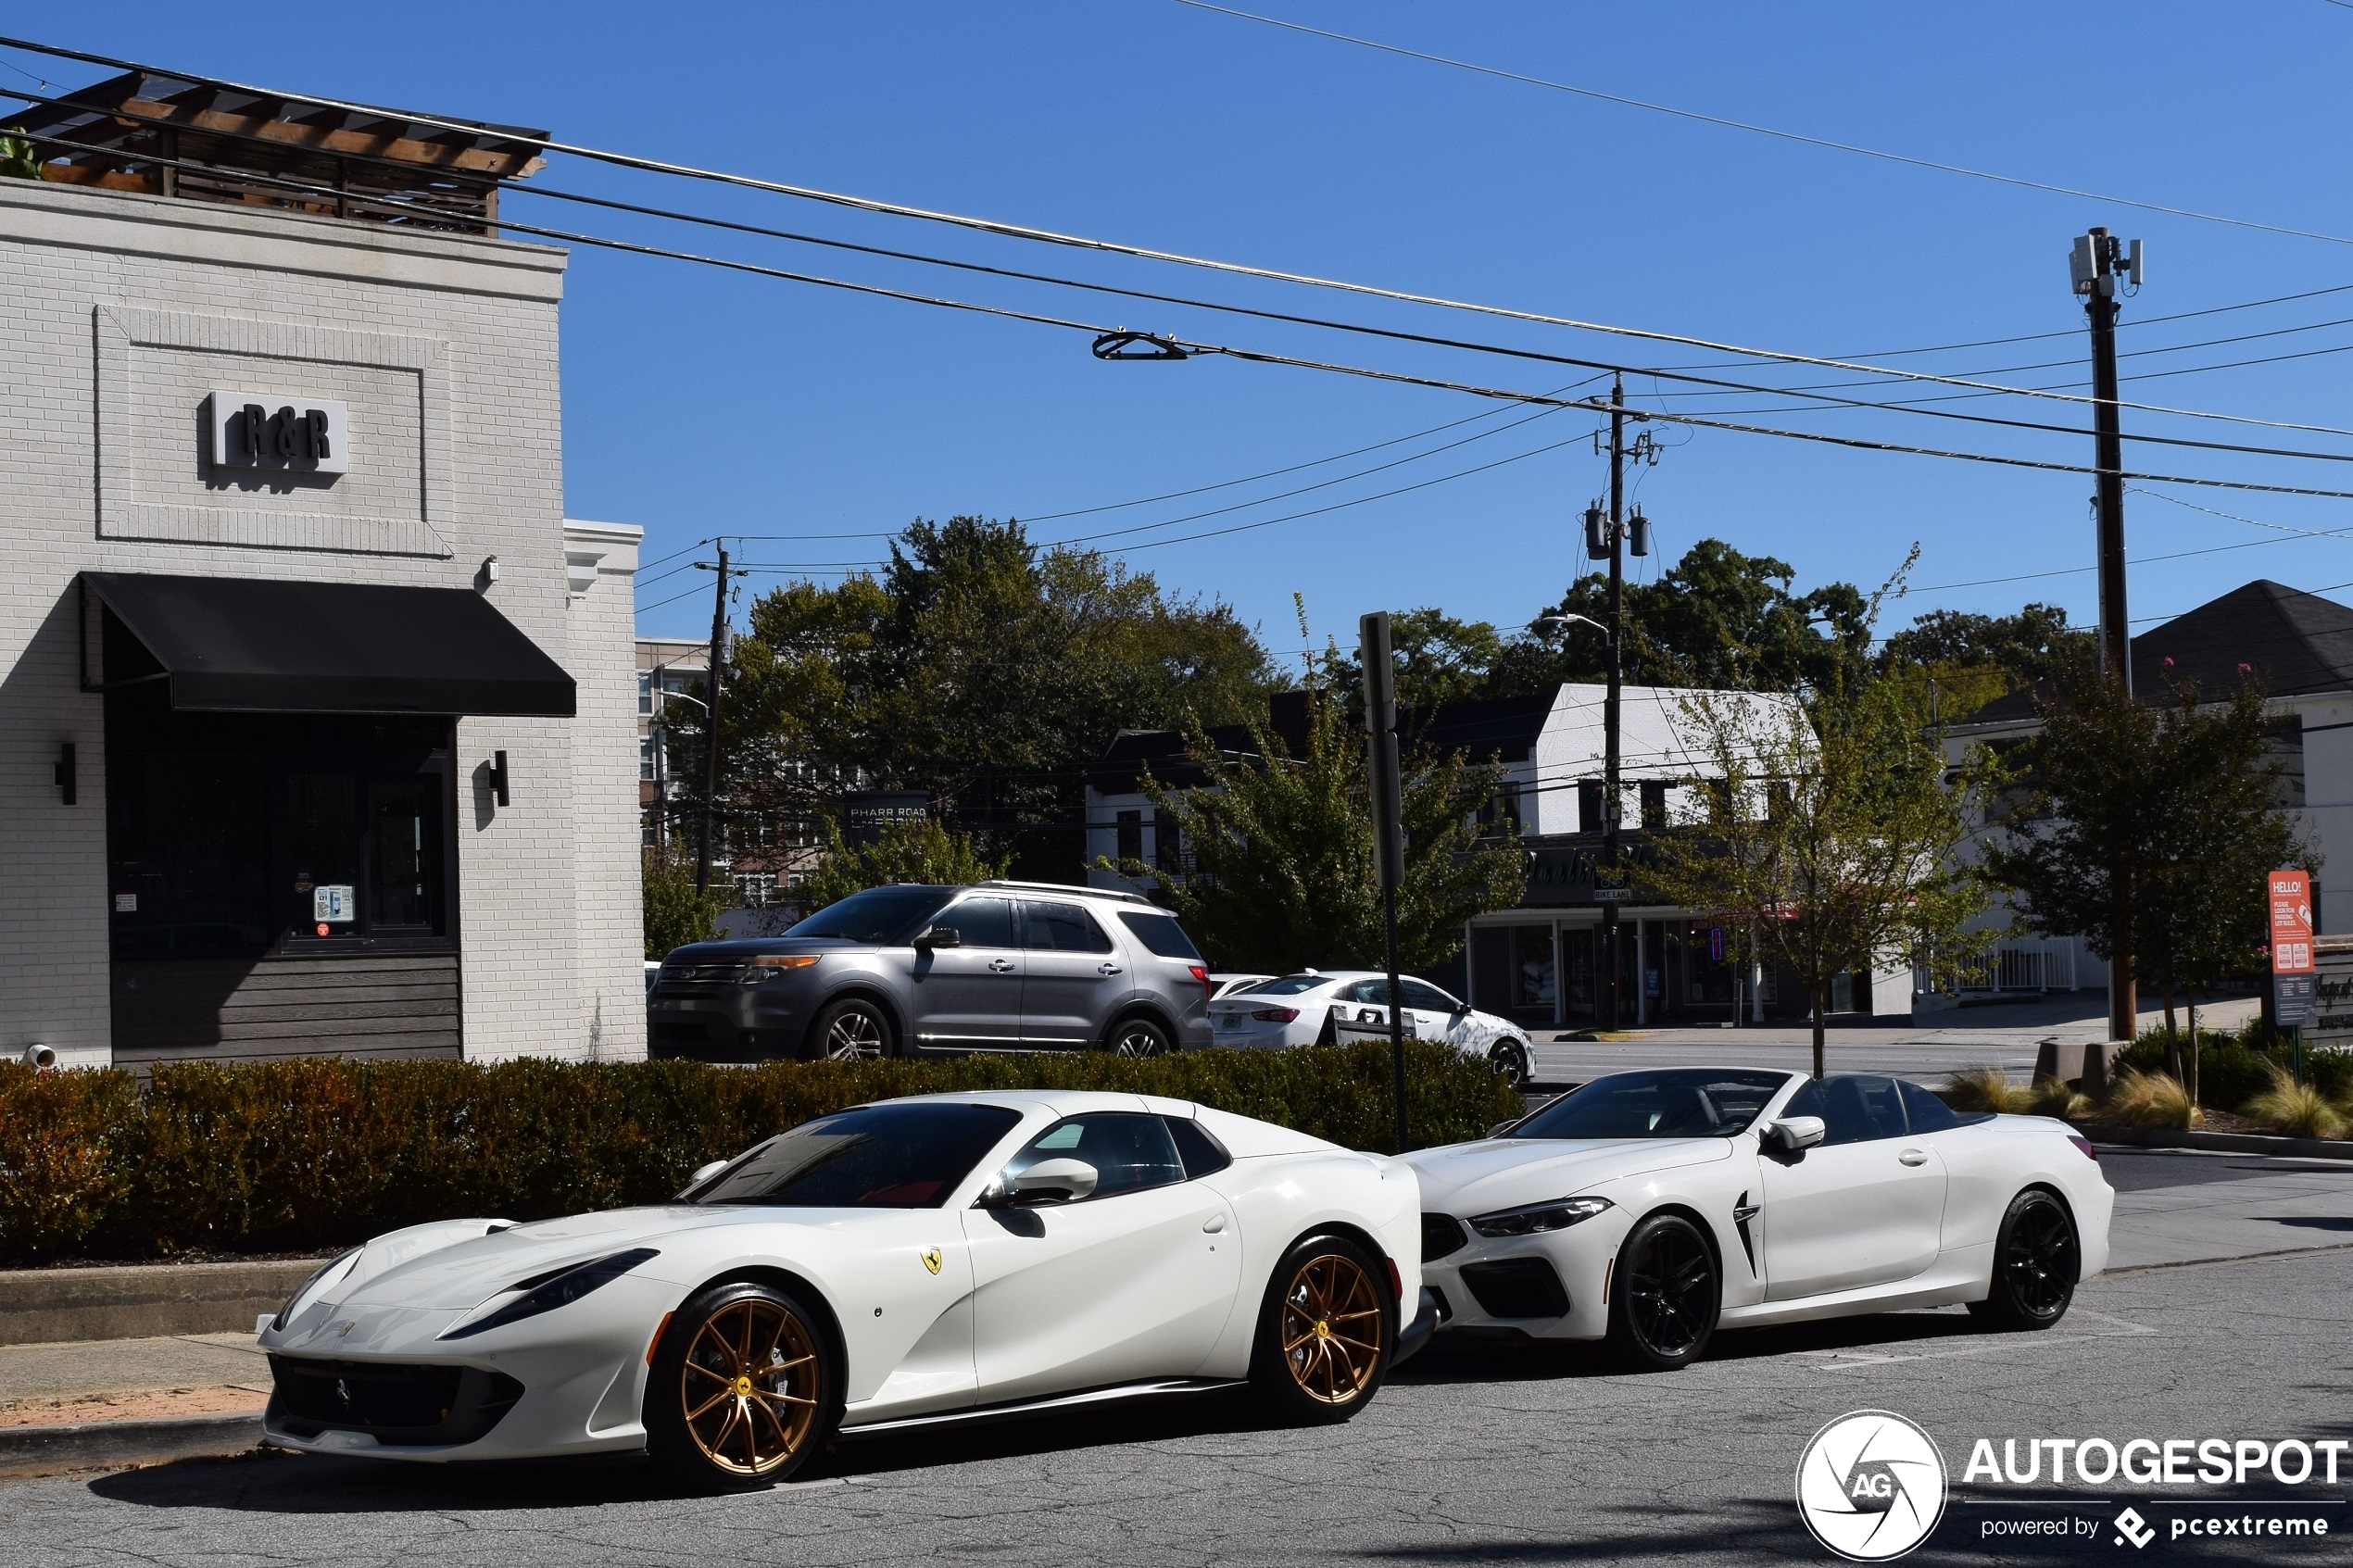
(1681, 1102)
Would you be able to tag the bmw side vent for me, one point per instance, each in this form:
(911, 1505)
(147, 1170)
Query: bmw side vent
(1441, 1233)
(1516, 1287)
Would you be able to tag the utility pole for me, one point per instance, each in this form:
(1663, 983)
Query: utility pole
(2098, 259)
(1374, 657)
(1608, 535)
(710, 722)
(2095, 262)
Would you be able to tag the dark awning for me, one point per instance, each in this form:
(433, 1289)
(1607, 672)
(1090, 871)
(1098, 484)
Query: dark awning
(253, 645)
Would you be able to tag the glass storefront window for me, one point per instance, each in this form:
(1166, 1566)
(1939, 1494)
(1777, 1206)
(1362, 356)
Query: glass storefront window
(1538, 980)
(244, 833)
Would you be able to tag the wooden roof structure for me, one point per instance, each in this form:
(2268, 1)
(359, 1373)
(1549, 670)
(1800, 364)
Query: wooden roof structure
(206, 141)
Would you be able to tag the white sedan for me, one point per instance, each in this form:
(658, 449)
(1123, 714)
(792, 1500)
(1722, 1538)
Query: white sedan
(1649, 1208)
(889, 1266)
(1316, 1008)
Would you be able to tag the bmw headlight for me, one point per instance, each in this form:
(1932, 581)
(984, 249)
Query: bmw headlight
(323, 1276)
(1557, 1215)
(545, 1292)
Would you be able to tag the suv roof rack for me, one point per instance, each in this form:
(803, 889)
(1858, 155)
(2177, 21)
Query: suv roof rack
(1070, 889)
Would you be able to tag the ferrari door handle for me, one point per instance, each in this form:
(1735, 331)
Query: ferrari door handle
(1002, 966)
(1914, 1157)
(1106, 969)
(1214, 1224)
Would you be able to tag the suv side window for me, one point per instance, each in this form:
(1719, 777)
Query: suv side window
(1061, 928)
(1853, 1108)
(1128, 1150)
(981, 922)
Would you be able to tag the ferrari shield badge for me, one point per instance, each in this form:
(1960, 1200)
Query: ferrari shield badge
(931, 1259)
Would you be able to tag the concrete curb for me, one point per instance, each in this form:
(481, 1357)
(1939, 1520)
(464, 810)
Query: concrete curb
(2222, 1142)
(143, 1300)
(90, 1444)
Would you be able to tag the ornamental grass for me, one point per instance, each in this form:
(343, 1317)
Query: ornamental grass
(2150, 1099)
(2300, 1110)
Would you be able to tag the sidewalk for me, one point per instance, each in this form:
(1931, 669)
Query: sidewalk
(131, 1379)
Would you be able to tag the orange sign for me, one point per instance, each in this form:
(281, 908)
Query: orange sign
(2290, 929)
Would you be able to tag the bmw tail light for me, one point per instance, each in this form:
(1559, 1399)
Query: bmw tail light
(1275, 1015)
(2080, 1141)
(1201, 975)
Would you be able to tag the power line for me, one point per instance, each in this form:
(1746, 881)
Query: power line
(1047, 236)
(1796, 136)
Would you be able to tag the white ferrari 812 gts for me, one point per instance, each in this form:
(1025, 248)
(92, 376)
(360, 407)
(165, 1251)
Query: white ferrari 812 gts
(1649, 1208)
(896, 1264)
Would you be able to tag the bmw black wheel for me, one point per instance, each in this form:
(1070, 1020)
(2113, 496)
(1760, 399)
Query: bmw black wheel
(2037, 1260)
(1664, 1295)
(1138, 1037)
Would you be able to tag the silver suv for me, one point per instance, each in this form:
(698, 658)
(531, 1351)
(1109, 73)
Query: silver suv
(908, 969)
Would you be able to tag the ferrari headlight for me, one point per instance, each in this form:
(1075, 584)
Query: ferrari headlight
(324, 1274)
(767, 966)
(545, 1292)
(1557, 1215)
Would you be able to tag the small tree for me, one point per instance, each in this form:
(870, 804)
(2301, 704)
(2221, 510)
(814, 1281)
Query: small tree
(675, 913)
(1826, 834)
(916, 850)
(1279, 853)
(2148, 829)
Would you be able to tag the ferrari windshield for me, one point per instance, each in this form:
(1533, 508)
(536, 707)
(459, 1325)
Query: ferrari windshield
(880, 915)
(874, 1157)
(1683, 1102)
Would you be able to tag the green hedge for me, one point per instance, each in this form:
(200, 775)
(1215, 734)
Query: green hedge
(321, 1151)
(2231, 1068)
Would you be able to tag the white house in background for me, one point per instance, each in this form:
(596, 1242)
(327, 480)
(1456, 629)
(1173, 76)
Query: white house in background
(2300, 646)
(1535, 963)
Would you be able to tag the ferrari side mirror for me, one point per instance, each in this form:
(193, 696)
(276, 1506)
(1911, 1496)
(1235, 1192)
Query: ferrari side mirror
(1052, 1181)
(1500, 1128)
(1792, 1134)
(703, 1173)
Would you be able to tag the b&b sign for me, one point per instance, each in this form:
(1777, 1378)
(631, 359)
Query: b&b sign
(267, 430)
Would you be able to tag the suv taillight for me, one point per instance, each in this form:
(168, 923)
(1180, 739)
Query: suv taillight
(1201, 975)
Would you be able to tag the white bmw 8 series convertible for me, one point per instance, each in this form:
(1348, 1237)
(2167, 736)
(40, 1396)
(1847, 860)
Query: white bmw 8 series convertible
(1649, 1208)
(911, 1262)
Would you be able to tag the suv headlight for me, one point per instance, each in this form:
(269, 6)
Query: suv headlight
(545, 1292)
(769, 965)
(1557, 1215)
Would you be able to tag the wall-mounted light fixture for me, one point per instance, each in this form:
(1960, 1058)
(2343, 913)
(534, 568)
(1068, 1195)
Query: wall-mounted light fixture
(498, 777)
(65, 774)
(488, 574)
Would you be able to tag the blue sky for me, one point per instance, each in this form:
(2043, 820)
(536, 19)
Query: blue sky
(699, 402)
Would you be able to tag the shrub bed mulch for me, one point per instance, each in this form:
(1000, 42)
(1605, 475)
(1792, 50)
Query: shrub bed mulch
(297, 1155)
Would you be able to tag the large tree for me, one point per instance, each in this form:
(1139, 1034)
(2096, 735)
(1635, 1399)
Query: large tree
(2025, 646)
(975, 667)
(1717, 618)
(2146, 828)
(1825, 835)
(1276, 871)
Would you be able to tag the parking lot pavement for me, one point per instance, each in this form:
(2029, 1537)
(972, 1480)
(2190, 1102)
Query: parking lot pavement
(1475, 1456)
(2175, 1206)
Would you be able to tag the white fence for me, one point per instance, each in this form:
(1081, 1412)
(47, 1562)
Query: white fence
(2036, 965)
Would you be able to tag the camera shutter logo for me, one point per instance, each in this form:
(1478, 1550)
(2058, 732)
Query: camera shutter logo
(1870, 1485)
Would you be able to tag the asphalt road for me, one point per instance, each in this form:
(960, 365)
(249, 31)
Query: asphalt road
(1474, 1455)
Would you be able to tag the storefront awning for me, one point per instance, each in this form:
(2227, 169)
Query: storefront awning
(252, 645)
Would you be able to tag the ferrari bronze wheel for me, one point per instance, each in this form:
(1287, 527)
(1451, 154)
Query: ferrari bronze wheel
(1326, 1335)
(740, 1388)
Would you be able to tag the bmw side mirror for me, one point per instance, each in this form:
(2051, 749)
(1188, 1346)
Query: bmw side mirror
(938, 936)
(1792, 1133)
(1051, 1181)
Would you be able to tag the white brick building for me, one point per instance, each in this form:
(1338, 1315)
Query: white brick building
(253, 707)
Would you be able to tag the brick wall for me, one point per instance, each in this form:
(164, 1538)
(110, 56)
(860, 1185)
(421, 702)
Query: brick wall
(118, 307)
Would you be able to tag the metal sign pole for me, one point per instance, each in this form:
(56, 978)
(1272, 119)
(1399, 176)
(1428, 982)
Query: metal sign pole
(1388, 826)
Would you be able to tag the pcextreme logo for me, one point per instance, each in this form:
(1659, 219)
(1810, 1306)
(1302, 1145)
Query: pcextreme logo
(1870, 1485)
